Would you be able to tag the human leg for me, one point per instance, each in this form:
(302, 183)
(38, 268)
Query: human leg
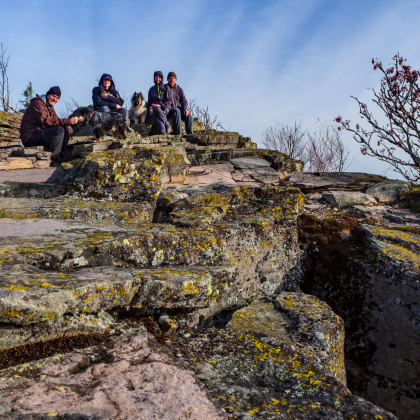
(103, 109)
(57, 139)
(176, 113)
(161, 119)
(188, 123)
(54, 139)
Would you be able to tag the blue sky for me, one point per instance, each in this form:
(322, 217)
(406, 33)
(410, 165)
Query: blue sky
(252, 62)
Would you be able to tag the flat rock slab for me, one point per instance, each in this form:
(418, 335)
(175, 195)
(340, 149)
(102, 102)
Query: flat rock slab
(250, 162)
(310, 180)
(347, 198)
(26, 175)
(332, 179)
(137, 380)
(26, 227)
(250, 171)
(388, 191)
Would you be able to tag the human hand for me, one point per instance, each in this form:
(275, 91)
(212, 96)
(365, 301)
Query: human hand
(104, 96)
(73, 120)
(155, 105)
(187, 112)
(81, 119)
(69, 129)
(118, 106)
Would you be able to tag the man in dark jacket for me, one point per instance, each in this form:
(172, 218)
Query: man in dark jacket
(106, 98)
(179, 105)
(158, 99)
(40, 125)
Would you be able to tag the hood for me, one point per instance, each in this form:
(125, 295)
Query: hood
(42, 98)
(158, 73)
(103, 77)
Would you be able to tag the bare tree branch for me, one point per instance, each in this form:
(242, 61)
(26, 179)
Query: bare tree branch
(8, 105)
(285, 139)
(399, 99)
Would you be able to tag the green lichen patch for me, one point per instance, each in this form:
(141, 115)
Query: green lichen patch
(252, 375)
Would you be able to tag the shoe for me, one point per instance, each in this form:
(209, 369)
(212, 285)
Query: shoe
(110, 134)
(55, 163)
(130, 130)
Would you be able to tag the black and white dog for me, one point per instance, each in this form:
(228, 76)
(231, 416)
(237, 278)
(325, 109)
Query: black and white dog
(103, 122)
(138, 108)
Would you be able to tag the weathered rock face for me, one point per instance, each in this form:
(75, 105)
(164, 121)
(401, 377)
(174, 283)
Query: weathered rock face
(213, 263)
(370, 277)
(268, 362)
(388, 191)
(347, 198)
(177, 259)
(130, 378)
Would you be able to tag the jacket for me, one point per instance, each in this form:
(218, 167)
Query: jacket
(158, 94)
(113, 98)
(177, 97)
(39, 116)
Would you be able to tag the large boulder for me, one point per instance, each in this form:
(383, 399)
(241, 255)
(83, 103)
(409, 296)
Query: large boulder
(347, 198)
(131, 378)
(277, 358)
(388, 191)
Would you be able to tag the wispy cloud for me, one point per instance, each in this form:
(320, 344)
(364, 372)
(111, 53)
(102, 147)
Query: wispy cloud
(251, 62)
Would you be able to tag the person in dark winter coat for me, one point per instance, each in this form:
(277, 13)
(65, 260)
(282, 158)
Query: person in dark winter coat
(158, 99)
(107, 99)
(40, 125)
(179, 105)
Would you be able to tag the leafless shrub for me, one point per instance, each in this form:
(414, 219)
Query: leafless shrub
(70, 108)
(286, 139)
(325, 151)
(212, 131)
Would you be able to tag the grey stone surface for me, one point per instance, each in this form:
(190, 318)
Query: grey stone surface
(131, 378)
(388, 191)
(347, 198)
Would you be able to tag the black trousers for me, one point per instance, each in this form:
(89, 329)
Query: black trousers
(54, 139)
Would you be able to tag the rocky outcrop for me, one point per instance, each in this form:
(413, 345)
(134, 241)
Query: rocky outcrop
(388, 191)
(133, 238)
(369, 274)
(271, 359)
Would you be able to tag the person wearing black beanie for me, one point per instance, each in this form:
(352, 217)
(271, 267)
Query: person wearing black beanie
(179, 105)
(55, 90)
(40, 125)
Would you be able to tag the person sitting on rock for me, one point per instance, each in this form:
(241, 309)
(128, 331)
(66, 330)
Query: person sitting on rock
(40, 125)
(158, 99)
(107, 99)
(179, 105)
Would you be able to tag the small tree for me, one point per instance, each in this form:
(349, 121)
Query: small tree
(325, 150)
(4, 79)
(399, 99)
(28, 95)
(285, 139)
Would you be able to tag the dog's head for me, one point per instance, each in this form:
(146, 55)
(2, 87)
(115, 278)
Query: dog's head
(87, 114)
(137, 99)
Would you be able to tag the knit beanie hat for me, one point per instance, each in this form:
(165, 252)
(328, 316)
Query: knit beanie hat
(55, 90)
(171, 74)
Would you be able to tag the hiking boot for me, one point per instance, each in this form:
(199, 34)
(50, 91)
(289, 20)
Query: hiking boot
(55, 163)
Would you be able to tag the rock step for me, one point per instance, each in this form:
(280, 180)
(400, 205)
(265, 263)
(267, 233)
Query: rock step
(31, 296)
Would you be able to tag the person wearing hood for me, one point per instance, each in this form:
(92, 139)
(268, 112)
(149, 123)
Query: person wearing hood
(159, 100)
(40, 125)
(107, 99)
(179, 105)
